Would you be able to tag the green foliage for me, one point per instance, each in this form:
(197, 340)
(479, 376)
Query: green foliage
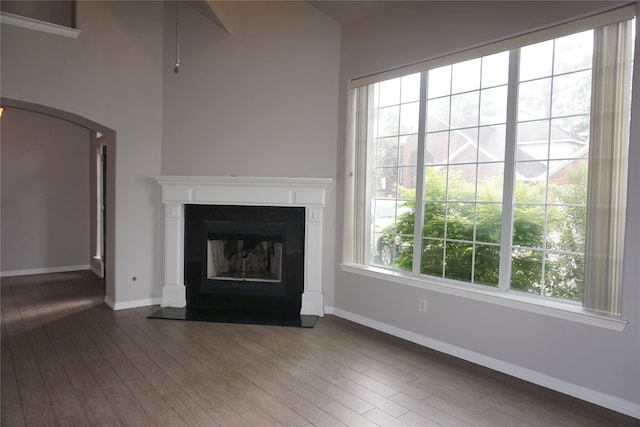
(564, 273)
(448, 248)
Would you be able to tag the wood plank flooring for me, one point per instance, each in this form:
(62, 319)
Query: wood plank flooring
(68, 360)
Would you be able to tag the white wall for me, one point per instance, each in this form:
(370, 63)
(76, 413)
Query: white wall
(111, 74)
(44, 190)
(258, 102)
(598, 364)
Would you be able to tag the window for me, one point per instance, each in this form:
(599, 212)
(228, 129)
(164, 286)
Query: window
(61, 12)
(503, 167)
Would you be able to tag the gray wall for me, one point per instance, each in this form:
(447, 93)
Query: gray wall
(259, 102)
(111, 75)
(44, 190)
(584, 360)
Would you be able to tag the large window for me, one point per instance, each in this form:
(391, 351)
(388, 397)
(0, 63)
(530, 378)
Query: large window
(500, 168)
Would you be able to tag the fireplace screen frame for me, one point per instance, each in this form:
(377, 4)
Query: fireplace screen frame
(246, 258)
(270, 231)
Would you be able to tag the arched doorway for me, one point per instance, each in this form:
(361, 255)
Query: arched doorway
(102, 140)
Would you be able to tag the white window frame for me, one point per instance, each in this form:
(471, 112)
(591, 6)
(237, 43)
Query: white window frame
(354, 252)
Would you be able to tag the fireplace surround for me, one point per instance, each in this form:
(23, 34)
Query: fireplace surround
(244, 258)
(307, 193)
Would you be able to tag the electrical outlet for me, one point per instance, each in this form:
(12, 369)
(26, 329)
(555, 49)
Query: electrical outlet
(423, 305)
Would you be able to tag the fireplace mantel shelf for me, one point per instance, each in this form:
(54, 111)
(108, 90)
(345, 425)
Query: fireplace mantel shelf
(245, 181)
(309, 193)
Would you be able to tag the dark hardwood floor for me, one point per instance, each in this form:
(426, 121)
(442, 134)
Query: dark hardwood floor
(67, 359)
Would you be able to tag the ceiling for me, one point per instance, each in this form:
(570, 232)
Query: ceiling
(341, 11)
(345, 12)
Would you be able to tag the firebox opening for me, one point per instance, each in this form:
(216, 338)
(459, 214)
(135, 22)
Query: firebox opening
(244, 257)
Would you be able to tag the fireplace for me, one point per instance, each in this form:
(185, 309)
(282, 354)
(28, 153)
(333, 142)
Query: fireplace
(244, 258)
(305, 196)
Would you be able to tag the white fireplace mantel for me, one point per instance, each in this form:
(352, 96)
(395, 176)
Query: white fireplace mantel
(309, 193)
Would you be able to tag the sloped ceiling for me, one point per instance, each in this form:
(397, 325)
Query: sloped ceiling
(343, 12)
(218, 12)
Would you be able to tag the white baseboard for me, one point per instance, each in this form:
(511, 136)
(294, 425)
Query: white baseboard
(11, 273)
(109, 302)
(601, 399)
(97, 267)
(95, 270)
(115, 306)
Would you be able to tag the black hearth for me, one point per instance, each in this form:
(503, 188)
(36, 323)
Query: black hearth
(243, 264)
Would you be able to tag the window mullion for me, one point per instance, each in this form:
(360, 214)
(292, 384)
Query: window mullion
(506, 231)
(418, 220)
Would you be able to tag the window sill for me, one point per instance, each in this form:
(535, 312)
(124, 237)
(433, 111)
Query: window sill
(37, 25)
(515, 300)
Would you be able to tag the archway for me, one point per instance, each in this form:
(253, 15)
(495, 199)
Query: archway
(99, 135)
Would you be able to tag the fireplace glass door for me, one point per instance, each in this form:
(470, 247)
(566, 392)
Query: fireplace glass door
(244, 257)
